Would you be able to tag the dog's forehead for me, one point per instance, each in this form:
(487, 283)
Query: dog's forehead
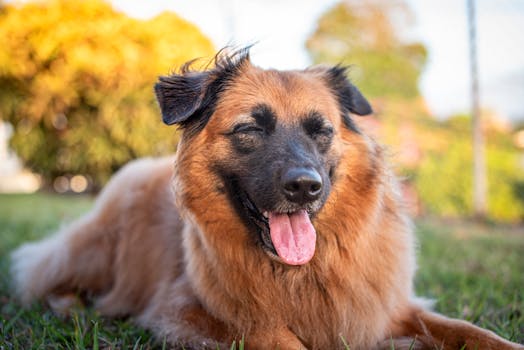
(291, 95)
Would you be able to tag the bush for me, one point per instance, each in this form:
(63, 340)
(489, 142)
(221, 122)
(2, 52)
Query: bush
(444, 182)
(76, 82)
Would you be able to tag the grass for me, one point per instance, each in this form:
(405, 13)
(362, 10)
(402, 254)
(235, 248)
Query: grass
(474, 272)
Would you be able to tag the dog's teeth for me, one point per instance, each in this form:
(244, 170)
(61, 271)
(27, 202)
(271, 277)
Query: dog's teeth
(266, 215)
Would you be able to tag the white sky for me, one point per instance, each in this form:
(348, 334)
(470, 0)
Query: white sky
(281, 27)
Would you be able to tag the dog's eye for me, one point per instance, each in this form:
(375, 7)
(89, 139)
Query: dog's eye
(247, 129)
(246, 137)
(322, 135)
(325, 131)
(320, 132)
(316, 126)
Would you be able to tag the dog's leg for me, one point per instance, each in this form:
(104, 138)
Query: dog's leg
(71, 260)
(176, 316)
(439, 332)
(275, 338)
(194, 328)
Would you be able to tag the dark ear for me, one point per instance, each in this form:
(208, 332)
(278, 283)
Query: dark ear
(180, 96)
(349, 97)
(354, 101)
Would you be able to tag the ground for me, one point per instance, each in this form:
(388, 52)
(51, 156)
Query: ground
(473, 271)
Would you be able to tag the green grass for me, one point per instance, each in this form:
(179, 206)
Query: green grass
(474, 272)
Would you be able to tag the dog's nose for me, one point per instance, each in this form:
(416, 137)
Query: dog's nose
(301, 185)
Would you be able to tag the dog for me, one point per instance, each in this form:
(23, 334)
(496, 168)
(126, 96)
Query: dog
(278, 222)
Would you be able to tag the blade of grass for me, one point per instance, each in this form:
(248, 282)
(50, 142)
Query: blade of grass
(137, 344)
(344, 342)
(95, 335)
(412, 345)
(78, 336)
(241, 346)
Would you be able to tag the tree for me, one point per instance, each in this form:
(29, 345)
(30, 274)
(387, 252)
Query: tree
(366, 35)
(76, 82)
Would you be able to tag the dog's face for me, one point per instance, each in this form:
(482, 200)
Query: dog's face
(271, 141)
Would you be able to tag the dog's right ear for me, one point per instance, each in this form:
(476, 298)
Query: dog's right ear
(350, 98)
(180, 96)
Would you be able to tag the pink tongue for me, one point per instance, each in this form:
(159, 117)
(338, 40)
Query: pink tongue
(293, 236)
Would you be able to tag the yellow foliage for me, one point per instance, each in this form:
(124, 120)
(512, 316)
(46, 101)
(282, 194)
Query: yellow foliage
(91, 68)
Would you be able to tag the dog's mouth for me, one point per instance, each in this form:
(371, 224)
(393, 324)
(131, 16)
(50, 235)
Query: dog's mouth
(288, 237)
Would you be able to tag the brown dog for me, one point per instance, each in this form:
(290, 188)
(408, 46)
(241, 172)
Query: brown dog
(288, 228)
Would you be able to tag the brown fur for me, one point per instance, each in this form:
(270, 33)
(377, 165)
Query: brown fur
(193, 273)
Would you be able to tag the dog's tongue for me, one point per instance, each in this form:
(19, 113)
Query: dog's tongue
(293, 236)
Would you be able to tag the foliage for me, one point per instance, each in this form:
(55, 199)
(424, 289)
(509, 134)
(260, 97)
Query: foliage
(444, 177)
(76, 81)
(365, 34)
(443, 180)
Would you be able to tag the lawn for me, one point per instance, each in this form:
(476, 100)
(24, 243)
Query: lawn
(473, 271)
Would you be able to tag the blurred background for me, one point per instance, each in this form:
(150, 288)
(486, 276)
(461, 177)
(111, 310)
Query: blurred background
(76, 100)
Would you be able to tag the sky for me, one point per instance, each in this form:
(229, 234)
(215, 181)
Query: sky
(281, 27)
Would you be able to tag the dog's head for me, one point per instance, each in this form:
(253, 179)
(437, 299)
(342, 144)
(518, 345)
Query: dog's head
(265, 144)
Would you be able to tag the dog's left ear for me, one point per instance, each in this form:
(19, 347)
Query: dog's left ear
(349, 97)
(180, 96)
